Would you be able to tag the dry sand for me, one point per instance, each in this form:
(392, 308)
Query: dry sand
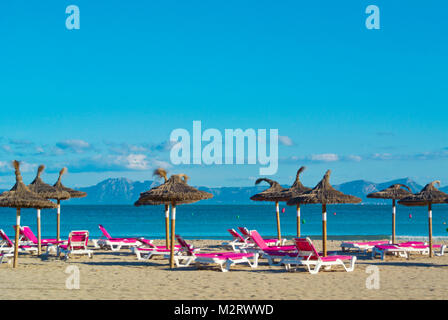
(119, 275)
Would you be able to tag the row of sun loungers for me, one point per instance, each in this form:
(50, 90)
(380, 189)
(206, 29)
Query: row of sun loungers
(379, 249)
(77, 243)
(247, 247)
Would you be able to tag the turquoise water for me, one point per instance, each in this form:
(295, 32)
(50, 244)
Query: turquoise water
(211, 221)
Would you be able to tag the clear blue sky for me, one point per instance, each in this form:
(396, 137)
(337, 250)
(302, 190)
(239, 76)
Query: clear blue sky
(103, 100)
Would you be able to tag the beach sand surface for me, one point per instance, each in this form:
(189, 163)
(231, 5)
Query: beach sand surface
(119, 275)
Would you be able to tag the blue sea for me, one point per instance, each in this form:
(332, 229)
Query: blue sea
(212, 221)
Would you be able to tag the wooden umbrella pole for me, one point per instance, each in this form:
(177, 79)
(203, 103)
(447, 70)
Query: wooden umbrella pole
(394, 210)
(16, 243)
(430, 228)
(324, 229)
(277, 209)
(298, 221)
(39, 249)
(173, 228)
(58, 222)
(167, 225)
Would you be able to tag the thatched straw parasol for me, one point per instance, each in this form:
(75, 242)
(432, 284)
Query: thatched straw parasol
(174, 191)
(394, 192)
(325, 194)
(273, 194)
(73, 194)
(22, 197)
(161, 173)
(427, 196)
(47, 192)
(296, 189)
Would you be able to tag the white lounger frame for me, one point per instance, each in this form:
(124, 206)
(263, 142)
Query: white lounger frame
(69, 251)
(113, 245)
(224, 264)
(405, 252)
(149, 253)
(5, 257)
(318, 263)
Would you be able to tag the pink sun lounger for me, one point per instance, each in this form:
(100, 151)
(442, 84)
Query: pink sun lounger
(223, 259)
(7, 246)
(308, 256)
(77, 244)
(271, 253)
(269, 242)
(362, 246)
(149, 250)
(405, 249)
(28, 237)
(238, 242)
(114, 244)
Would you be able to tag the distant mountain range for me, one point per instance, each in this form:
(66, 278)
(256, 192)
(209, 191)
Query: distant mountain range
(124, 191)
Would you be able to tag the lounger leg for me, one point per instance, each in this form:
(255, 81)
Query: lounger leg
(115, 248)
(229, 263)
(351, 264)
(442, 251)
(95, 243)
(255, 262)
(316, 268)
(149, 256)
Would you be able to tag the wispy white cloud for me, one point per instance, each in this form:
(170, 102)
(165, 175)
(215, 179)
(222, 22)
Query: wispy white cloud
(6, 167)
(354, 158)
(77, 146)
(325, 157)
(285, 140)
(114, 163)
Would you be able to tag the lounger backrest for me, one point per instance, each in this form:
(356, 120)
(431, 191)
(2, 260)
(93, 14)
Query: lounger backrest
(236, 235)
(28, 234)
(255, 237)
(78, 239)
(184, 244)
(244, 231)
(6, 239)
(103, 230)
(306, 248)
(146, 242)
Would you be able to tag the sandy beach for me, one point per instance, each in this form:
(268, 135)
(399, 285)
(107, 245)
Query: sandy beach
(119, 275)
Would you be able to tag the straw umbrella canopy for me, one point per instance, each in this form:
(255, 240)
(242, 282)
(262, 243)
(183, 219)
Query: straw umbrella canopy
(324, 194)
(47, 192)
(394, 192)
(73, 194)
(174, 191)
(273, 194)
(428, 196)
(160, 172)
(20, 196)
(296, 189)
